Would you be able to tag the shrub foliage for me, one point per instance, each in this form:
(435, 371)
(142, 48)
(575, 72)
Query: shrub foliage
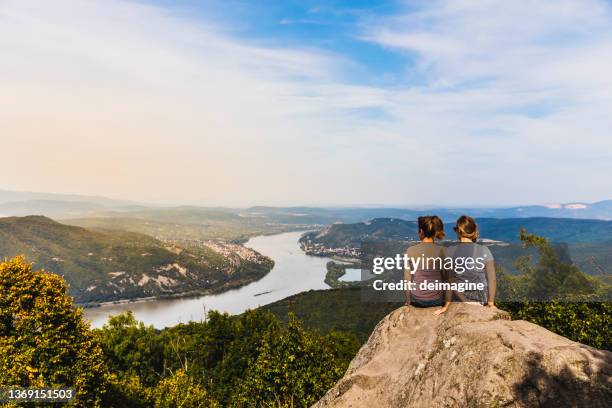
(44, 341)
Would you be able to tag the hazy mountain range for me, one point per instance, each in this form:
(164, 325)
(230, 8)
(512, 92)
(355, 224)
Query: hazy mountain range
(13, 203)
(600, 210)
(13, 196)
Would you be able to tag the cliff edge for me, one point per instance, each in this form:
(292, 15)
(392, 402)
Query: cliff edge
(471, 357)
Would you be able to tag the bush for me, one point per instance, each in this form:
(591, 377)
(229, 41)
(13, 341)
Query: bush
(180, 390)
(585, 322)
(44, 341)
(294, 368)
(555, 294)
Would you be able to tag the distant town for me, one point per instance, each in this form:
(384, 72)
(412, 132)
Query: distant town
(318, 249)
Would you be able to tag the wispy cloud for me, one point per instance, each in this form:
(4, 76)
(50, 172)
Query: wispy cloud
(515, 90)
(498, 102)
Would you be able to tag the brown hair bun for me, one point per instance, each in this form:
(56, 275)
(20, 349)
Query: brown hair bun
(431, 226)
(466, 227)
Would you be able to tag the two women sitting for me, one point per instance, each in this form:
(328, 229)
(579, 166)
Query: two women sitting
(481, 268)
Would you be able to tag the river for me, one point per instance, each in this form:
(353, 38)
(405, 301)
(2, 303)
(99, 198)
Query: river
(293, 272)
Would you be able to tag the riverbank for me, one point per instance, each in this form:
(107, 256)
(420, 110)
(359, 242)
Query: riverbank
(180, 295)
(302, 229)
(293, 272)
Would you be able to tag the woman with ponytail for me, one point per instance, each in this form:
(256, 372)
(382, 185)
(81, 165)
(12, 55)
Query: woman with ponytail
(484, 265)
(430, 270)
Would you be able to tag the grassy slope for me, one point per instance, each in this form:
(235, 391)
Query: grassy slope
(333, 309)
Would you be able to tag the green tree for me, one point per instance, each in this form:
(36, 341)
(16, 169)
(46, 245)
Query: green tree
(181, 391)
(554, 276)
(294, 368)
(127, 391)
(44, 341)
(132, 348)
(250, 329)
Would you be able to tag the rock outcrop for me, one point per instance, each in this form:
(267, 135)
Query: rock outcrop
(471, 357)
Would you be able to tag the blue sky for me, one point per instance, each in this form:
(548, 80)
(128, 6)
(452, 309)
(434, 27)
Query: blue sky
(441, 102)
(324, 25)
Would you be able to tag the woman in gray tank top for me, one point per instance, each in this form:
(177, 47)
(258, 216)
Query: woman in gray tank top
(481, 268)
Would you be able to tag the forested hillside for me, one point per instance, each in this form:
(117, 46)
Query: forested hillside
(554, 229)
(103, 265)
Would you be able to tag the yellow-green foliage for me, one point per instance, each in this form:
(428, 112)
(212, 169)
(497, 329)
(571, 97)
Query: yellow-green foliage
(132, 348)
(44, 341)
(180, 390)
(127, 391)
(175, 390)
(294, 369)
(245, 360)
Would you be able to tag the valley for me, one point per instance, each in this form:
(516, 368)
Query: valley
(114, 251)
(102, 265)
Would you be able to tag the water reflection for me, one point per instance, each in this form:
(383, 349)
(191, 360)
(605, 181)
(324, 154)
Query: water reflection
(351, 275)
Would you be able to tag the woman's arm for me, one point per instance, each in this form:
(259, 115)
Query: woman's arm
(447, 276)
(407, 277)
(491, 283)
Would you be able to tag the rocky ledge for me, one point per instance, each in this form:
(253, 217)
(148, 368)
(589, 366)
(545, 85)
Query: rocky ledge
(471, 357)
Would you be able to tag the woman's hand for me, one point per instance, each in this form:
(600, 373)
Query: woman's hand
(441, 310)
(407, 306)
(491, 305)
